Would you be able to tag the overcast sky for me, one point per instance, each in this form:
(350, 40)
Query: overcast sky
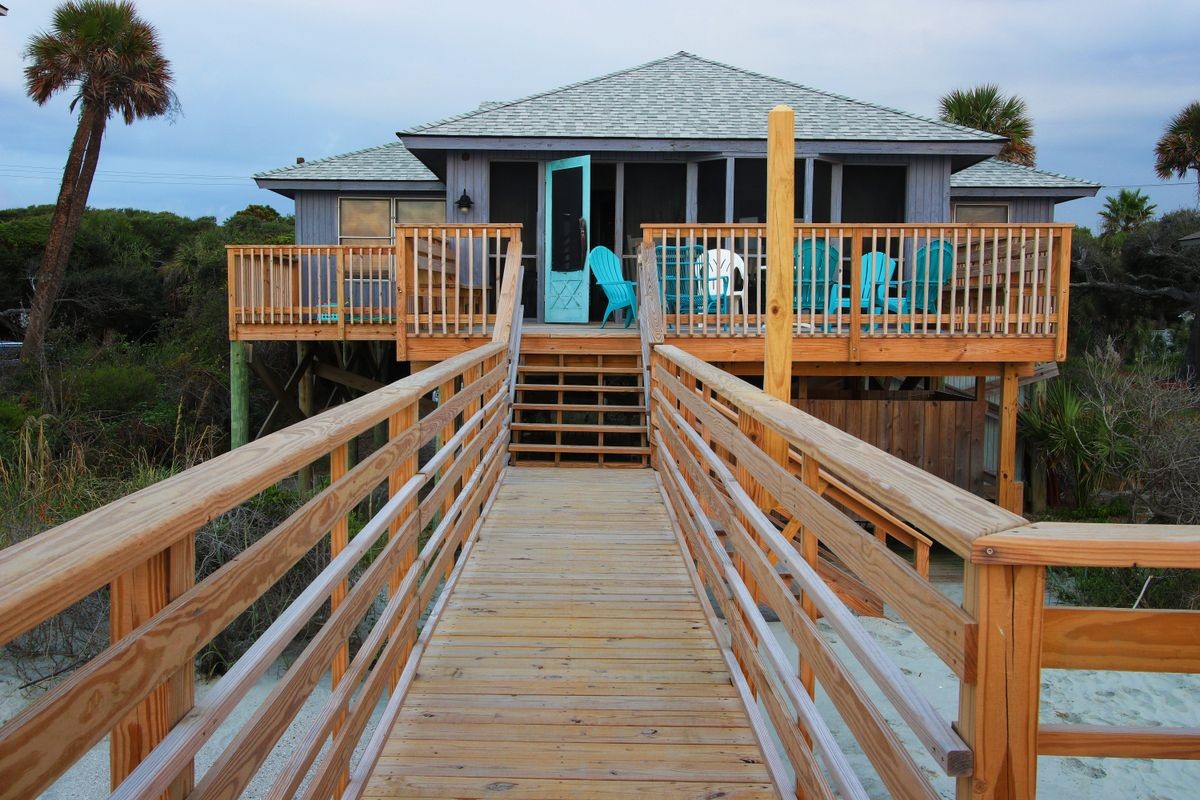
(264, 81)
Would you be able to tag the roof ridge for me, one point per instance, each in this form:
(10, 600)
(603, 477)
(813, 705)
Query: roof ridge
(847, 98)
(982, 135)
(544, 93)
(307, 163)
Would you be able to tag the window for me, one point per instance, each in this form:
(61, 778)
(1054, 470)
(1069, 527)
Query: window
(364, 220)
(409, 210)
(370, 220)
(981, 212)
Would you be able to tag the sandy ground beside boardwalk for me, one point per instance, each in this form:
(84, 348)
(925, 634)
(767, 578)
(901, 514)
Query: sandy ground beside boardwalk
(88, 778)
(1110, 698)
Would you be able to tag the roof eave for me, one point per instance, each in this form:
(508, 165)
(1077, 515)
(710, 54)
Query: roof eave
(285, 185)
(1057, 193)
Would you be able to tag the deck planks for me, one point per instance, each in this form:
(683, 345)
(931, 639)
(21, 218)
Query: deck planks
(573, 660)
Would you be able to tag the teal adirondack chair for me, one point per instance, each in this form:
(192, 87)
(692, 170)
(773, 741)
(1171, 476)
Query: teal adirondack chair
(932, 267)
(682, 290)
(877, 270)
(816, 262)
(620, 293)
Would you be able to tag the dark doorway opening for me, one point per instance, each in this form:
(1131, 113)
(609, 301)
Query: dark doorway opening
(513, 197)
(873, 194)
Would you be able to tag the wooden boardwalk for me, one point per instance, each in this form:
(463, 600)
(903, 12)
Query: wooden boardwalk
(573, 659)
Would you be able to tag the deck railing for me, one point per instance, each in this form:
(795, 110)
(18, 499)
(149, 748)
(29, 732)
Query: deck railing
(383, 580)
(870, 281)
(437, 280)
(767, 495)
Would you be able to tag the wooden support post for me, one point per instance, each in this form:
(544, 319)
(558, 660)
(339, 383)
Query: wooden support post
(135, 597)
(998, 713)
(239, 395)
(810, 473)
(339, 537)
(781, 180)
(397, 424)
(1006, 491)
(306, 400)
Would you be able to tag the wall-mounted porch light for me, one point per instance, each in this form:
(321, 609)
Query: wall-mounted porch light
(465, 203)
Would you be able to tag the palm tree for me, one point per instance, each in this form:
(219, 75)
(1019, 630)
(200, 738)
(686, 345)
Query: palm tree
(985, 108)
(1128, 210)
(113, 61)
(1178, 149)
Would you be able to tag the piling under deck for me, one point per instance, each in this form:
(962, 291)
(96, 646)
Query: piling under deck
(573, 660)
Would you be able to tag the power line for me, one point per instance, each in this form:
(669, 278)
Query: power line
(101, 179)
(125, 173)
(1147, 185)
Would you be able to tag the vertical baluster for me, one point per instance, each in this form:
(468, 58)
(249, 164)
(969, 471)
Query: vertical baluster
(869, 280)
(966, 298)
(995, 278)
(1033, 281)
(953, 280)
(471, 279)
(941, 283)
(700, 270)
(1049, 269)
(979, 282)
(1008, 282)
(1021, 327)
(925, 289)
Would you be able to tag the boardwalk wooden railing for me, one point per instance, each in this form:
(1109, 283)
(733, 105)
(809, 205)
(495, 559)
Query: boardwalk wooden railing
(140, 690)
(436, 280)
(1126, 640)
(1004, 280)
(799, 520)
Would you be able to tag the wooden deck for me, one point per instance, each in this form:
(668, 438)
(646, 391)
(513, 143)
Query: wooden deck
(573, 659)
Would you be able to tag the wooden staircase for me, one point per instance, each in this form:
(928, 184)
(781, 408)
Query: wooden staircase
(580, 409)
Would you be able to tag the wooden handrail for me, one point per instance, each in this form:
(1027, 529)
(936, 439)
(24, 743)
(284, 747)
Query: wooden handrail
(43, 575)
(716, 472)
(47, 573)
(951, 516)
(1004, 280)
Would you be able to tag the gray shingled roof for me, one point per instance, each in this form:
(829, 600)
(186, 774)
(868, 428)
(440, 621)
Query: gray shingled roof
(684, 96)
(387, 162)
(996, 174)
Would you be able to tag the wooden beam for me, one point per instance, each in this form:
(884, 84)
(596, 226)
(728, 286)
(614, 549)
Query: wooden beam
(1119, 741)
(1009, 497)
(346, 378)
(781, 180)
(998, 711)
(1140, 640)
(239, 396)
(692, 193)
(1087, 544)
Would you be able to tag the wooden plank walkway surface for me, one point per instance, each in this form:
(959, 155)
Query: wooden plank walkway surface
(573, 660)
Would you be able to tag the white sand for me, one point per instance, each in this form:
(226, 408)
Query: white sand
(1068, 696)
(1112, 698)
(88, 778)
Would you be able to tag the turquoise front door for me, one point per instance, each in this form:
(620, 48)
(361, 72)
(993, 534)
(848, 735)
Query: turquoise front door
(568, 218)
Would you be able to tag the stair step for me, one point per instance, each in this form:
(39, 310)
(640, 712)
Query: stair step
(579, 448)
(582, 428)
(605, 409)
(578, 370)
(575, 387)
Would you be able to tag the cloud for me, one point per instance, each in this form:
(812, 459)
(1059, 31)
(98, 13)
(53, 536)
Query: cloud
(263, 82)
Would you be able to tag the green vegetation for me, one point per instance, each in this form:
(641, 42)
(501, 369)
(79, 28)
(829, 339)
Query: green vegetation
(985, 108)
(111, 60)
(1178, 149)
(1126, 211)
(133, 387)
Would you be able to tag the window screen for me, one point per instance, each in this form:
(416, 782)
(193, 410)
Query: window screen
(981, 212)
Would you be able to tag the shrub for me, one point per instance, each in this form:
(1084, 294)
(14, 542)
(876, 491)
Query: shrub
(116, 388)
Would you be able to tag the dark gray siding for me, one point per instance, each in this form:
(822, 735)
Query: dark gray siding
(928, 197)
(316, 218)
(473, 176)
(1031, 209)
